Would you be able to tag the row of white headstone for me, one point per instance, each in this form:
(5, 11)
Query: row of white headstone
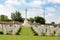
(47, 30)
(7, 28)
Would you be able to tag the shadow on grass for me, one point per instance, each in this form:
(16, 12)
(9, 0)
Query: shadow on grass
(1, 32)
(18, 33)
(35, 34)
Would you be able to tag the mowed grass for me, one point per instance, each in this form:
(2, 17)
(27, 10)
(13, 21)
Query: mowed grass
(18, 37)
(26, 31)
(27, 34)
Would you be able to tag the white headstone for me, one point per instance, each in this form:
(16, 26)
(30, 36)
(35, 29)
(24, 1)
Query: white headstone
(51, 29)
(48, 31)
(57, 31)
(4, 29)
(15, 29)
(0, 27)
(42, 29)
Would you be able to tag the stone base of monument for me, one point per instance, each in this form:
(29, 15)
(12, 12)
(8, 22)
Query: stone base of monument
(26, 23)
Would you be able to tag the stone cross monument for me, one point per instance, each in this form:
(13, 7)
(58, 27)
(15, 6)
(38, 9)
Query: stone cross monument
(26, 14)
(26, 22)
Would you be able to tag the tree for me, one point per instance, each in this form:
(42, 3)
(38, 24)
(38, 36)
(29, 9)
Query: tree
(3, 18)
(13, 16)
(52, 22)
(31, 20)
(17, 16)
(40, 20)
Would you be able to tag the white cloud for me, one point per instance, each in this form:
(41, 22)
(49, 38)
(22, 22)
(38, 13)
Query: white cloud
(12, 2)
(8, 7)
(23, 2)
(6, 10)
(54, 1)
(50, 18)
(1, 6)
(50, 9)
(33, 12)
(33, 3)
(51, 15)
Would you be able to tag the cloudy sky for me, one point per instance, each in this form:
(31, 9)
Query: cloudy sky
(34, 7)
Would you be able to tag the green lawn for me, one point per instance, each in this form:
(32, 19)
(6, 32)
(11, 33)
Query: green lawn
(26, 31)
(18, 37)
(27, 34)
